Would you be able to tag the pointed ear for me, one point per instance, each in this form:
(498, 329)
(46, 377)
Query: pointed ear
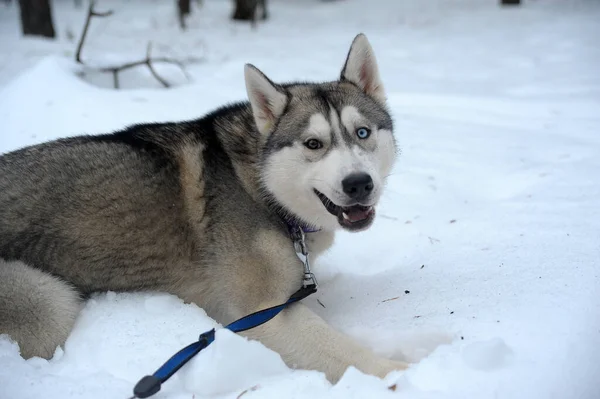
(361, 69)
(266, 100)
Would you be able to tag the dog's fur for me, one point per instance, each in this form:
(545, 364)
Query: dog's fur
(198, 209)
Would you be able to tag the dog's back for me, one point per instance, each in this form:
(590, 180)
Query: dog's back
(81, 215)
(88, 199)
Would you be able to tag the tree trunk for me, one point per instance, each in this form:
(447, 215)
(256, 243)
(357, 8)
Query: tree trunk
(36, 18)
(245, 10)
(184, 9)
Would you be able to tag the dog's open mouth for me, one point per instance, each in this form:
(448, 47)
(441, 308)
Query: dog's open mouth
(354, 217)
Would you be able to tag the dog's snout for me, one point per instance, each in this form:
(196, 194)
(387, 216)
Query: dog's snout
(358, 185)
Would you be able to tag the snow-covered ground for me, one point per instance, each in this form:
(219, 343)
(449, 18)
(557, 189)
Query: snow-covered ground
(483, 266)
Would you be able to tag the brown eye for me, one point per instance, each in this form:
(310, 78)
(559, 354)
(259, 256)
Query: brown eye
(313, 144)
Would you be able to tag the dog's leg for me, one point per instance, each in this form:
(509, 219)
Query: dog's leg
(37, 310)
(306, 341)
(265, 274)
(300, 336)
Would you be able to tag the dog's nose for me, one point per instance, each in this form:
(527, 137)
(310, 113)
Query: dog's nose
(358, 186)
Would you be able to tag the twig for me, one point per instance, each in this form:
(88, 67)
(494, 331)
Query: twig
(115, 79)
(91, 13)
(390, 299)
(148, 61)
(245, 391)
(152, 71)
(433, 240)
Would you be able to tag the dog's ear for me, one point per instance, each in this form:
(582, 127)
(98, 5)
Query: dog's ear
(267, 101)
(361, 69)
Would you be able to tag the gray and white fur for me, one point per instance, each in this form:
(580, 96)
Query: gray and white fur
(199, 209)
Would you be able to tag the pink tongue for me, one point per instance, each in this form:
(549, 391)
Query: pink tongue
(356, 214)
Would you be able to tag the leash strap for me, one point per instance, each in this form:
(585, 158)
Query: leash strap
(151, 384)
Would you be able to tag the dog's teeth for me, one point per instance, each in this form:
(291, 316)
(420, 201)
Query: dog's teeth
(345, 216)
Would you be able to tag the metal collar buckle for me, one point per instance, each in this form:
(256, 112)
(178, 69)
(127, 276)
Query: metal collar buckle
(300, 246)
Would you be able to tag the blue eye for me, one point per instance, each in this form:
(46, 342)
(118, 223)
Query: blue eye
(363, 132)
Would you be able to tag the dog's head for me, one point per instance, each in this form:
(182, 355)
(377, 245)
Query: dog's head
(328, 147)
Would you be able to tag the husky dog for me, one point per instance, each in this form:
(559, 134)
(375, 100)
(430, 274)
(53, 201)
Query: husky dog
(200, 209)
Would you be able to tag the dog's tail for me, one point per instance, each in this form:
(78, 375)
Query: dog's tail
(37, 310)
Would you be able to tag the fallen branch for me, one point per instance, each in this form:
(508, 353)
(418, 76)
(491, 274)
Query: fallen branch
(91, 13)
(149, 61)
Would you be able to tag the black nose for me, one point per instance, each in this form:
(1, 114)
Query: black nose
(358, 185)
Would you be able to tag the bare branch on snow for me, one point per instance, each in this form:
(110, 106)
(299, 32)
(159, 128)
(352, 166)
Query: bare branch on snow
(149, 61)
(91, 13)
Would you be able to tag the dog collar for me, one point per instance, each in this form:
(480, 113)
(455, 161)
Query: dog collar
(304, 228)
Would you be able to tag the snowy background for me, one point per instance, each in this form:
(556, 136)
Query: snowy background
(483, 265)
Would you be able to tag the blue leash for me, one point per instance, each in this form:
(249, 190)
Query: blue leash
(150, 384)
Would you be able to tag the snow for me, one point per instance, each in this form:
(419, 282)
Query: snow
(482, 267)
